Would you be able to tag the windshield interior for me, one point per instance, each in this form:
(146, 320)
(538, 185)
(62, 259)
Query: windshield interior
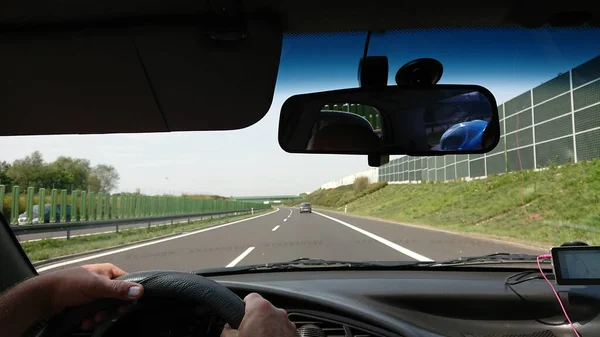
(238, 192)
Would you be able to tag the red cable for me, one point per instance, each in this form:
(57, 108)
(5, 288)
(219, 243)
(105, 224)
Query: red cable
(546, 256)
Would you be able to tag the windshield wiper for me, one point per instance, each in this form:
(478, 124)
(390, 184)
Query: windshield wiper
(305, 263)
(495, 258)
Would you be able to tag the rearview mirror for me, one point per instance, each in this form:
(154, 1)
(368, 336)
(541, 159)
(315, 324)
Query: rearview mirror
(411, 120)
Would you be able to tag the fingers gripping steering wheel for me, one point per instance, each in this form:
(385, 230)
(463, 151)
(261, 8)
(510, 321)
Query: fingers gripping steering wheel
(177, 286)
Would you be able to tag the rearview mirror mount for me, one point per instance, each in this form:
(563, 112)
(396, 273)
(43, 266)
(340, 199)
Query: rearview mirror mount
(376, 160)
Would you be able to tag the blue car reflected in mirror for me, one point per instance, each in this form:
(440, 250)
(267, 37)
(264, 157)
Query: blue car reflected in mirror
(464, 136)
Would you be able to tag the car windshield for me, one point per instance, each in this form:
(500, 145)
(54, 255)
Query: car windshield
(231, 198)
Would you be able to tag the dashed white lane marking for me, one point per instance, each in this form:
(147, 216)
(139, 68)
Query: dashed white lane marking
(284, 220)
(240, 258)
(275, 228)
(386, 242)
(145, 244)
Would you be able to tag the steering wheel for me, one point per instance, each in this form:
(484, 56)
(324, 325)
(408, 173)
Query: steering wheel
(158, 285)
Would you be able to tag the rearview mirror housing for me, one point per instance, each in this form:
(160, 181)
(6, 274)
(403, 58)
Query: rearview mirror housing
(416, 120)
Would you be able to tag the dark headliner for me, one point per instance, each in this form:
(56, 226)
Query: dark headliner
(87, 66)
(300, 16)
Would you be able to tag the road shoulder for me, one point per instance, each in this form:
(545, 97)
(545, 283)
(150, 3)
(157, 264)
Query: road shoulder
(496, 239)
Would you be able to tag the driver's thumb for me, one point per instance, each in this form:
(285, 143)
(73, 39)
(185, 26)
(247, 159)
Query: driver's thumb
(120, 290)
(229, 332)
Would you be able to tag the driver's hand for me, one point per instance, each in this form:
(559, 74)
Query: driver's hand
(262, 319)
(81, 285)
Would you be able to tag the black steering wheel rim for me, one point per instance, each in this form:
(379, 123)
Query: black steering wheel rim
(159, 285)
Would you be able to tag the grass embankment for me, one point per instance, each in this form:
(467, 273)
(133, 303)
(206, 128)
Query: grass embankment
(340, 196)
(49, 248)
(548, 207)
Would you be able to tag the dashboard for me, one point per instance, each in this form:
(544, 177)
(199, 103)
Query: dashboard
(428, 303)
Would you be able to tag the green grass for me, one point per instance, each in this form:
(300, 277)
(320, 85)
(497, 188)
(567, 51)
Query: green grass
(340, 196)
(541, 208)
(49, 248)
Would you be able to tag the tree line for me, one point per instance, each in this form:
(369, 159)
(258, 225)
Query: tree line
(63, 173)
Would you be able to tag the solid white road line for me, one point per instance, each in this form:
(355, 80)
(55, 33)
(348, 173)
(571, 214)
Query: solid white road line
(275, 228)
(116, 251)
(386, 242)
(239, 258)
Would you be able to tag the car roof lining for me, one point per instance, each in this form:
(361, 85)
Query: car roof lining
(310, 16)
(84, 67)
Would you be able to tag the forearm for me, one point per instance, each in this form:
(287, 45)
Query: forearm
(24, 305)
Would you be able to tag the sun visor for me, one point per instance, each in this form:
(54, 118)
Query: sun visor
(136, 79)
(203, 84)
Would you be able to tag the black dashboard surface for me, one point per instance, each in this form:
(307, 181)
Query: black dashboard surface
(470, 303)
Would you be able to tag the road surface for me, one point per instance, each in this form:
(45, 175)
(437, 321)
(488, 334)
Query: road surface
(285, 234)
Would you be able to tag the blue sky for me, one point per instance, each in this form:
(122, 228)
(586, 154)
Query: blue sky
(250, 161)
(503, 60)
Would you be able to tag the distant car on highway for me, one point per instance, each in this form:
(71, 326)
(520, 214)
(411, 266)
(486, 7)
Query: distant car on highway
(22, 220)
(305, 207)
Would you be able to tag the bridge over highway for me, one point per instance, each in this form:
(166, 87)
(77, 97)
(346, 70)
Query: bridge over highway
(274, 199)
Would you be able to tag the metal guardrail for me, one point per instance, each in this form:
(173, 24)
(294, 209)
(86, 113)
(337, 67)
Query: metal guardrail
(71, 226)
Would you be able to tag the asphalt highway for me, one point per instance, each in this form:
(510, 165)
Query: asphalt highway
(285, 234)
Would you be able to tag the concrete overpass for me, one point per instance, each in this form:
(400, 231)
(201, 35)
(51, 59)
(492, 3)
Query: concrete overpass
(271, 199)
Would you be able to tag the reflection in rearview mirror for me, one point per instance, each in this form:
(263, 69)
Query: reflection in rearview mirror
(458, 123)
(400, 120)
(346, 126)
